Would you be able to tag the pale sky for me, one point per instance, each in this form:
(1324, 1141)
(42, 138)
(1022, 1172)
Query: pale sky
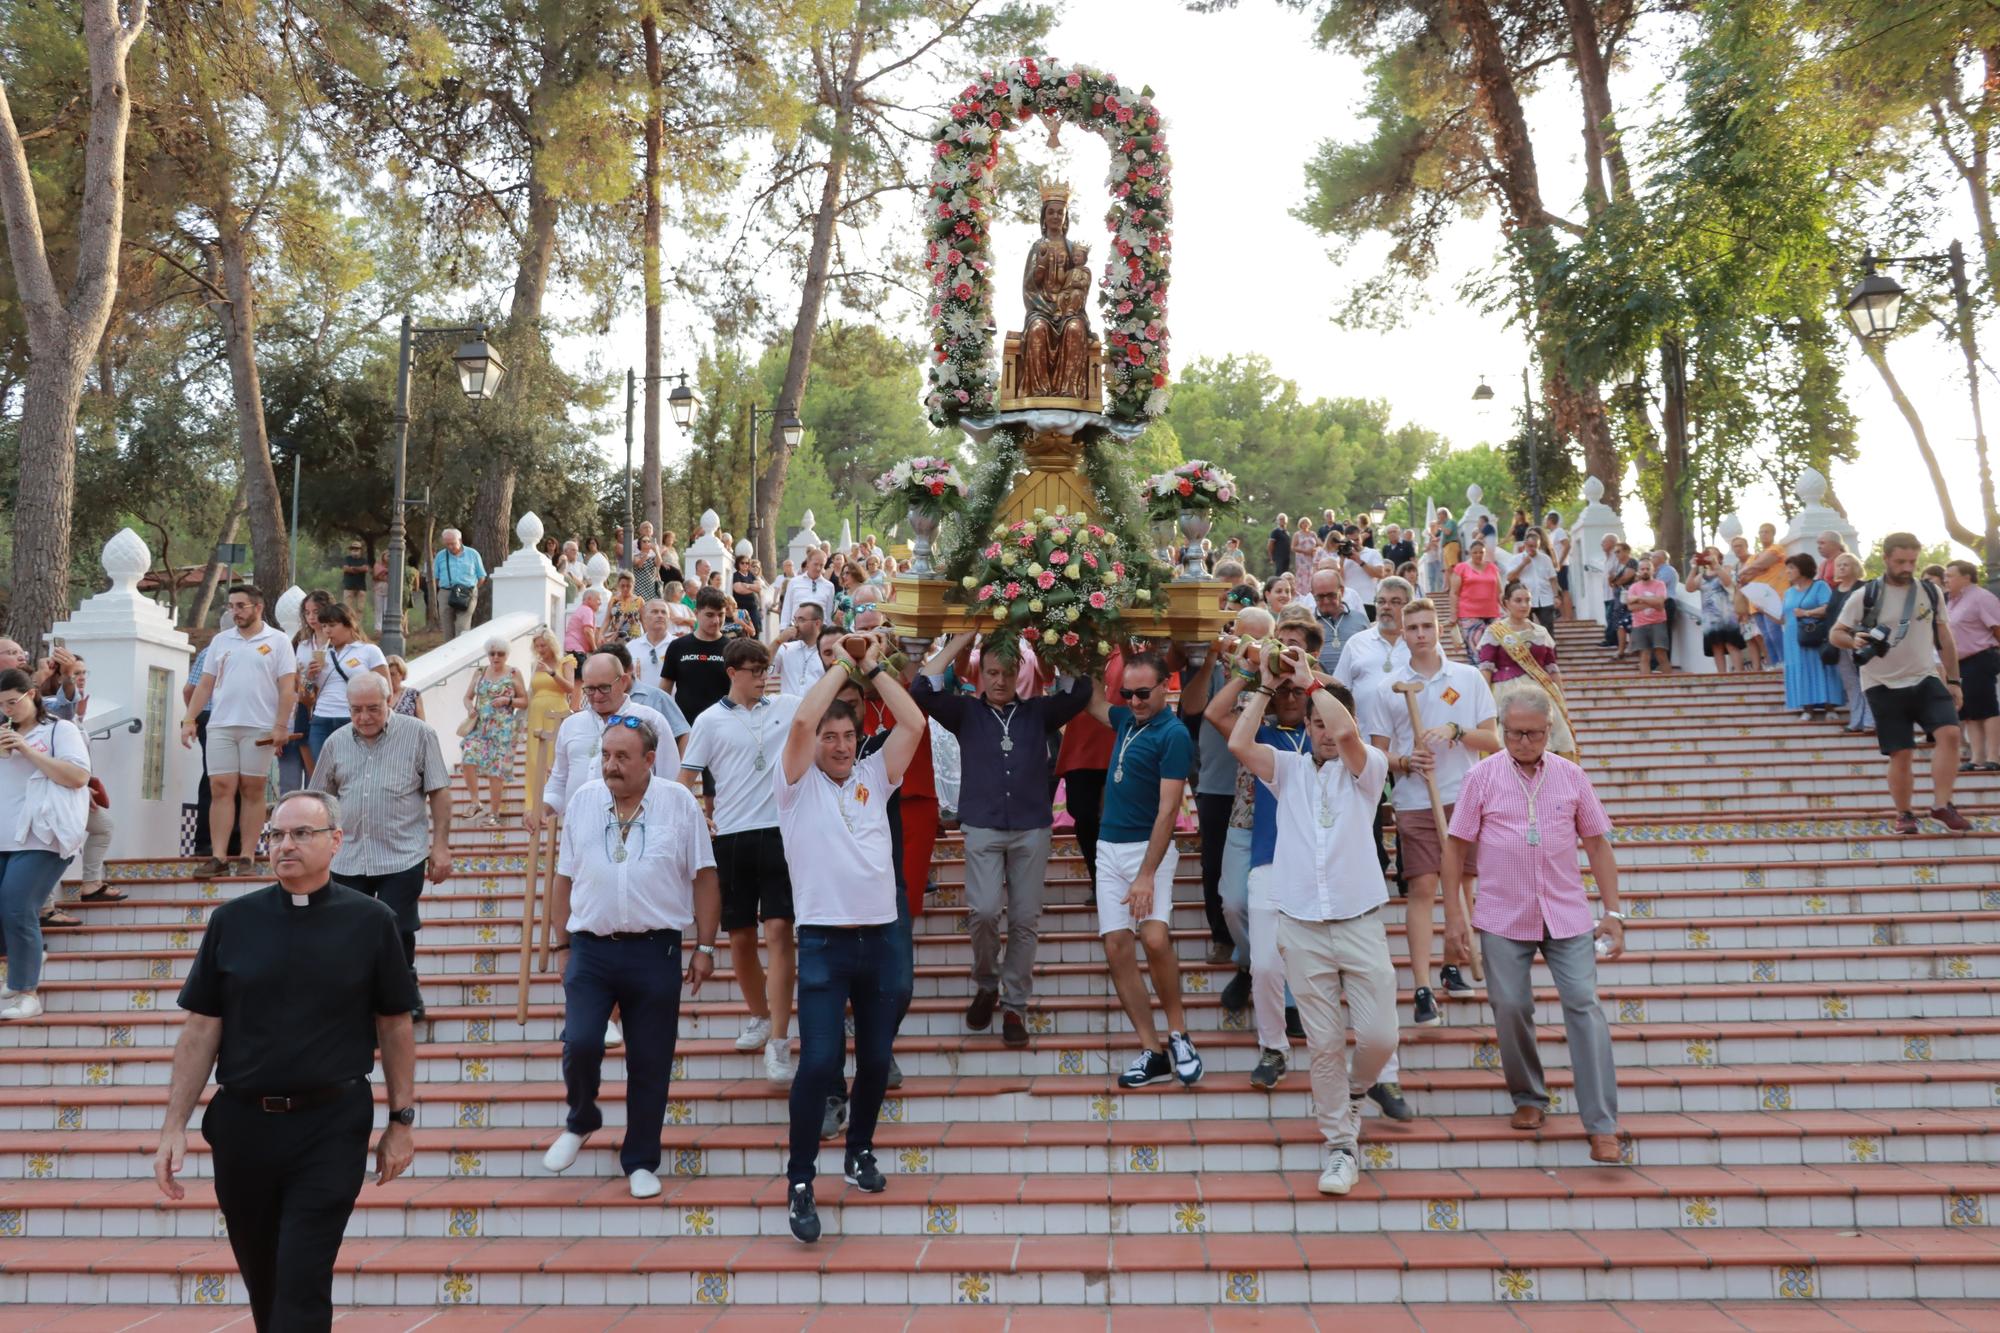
(1247, 98)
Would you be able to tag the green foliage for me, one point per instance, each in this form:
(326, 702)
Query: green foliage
(1483, 465)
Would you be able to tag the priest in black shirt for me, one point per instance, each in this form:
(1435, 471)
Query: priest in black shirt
(292, 991)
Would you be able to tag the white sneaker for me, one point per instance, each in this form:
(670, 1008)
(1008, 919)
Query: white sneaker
(645, 1185)
(612, 1036)
(755, 1036)
(26, 1005)
(1341, 1171)
(778, 1063)
(561, 1155)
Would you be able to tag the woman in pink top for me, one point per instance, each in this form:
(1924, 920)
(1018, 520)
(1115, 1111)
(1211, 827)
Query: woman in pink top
(580, 632)
(1974, 616)
(1475, 592)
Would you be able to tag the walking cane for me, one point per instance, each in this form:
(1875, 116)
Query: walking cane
(528, 895)
(1410, 689)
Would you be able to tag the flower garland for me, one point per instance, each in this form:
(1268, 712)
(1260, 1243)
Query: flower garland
(1056, 582)
(927, 484)
(1133, 295)
(1196, 484)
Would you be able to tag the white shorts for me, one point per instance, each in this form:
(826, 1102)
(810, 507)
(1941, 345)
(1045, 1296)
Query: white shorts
(1117, 866)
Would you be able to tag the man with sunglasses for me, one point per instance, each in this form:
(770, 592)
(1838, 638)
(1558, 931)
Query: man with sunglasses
(580, 738)
(295, 987)
(1136, 859)
(732, 751)
(634, 875)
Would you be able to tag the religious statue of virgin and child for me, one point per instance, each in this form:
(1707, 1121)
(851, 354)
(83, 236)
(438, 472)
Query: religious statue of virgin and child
(1056, 344)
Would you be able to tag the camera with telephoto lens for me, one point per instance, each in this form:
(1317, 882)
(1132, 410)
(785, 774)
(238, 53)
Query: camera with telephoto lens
(1871, 643)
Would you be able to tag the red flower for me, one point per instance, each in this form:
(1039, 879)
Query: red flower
(1118, 568)
(1031, 634)
(995, 120)
(1070, 639)
(1185, 487)
(952, 256)
(963, 291)
(985, 592)
(937, 488)
(1135, 354)
(1159, 381)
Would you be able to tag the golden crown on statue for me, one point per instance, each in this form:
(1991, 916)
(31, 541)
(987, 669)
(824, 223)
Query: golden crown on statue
(1055, 189)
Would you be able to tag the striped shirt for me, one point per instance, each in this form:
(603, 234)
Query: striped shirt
(1529, 890)
(382, 785)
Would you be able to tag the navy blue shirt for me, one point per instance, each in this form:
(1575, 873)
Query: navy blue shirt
(1140, 757)
(1264, 804)
(1000, 786)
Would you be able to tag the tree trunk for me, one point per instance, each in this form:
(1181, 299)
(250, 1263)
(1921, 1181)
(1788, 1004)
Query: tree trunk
(1957, 530)
(63, 333)
(798, 365)
(1608, 175)
(211, 576)
(262, 502)
(491, 508)
(649, 477)
(1670, 511)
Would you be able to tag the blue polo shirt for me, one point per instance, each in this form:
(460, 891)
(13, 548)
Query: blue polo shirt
(1264, 805)
(1157, 749)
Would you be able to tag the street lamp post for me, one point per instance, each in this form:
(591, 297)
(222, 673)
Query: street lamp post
(788, 425)
(1484, 394)
(479, 372)
(1875, 305)
(681, 402)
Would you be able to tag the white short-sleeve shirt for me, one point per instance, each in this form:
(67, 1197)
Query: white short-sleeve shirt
(837, 844)
(652, 888)
(354, 659)
(739, 747)
(247, 669)
(1457, 693)
(648, 657)
(1538, 576)
(799, 667)
(580, 749)
(55, 738)
(1323, 863)
(1366, 660)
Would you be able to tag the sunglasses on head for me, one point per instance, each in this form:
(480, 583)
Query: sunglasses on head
(624, 720)
(1143, 692)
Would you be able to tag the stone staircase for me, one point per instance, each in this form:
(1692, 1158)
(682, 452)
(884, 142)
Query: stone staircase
(1807, 1039)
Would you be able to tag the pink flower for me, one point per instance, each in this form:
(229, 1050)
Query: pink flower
(1074, 80)
(953, 257)
(963, 291)
(1226, 494)
(1090, 559)
(1097, 600)
(1124, 307)
(985, 592)
(1013, 591)
(995, 120)
(1070, 639)
(1058, 558)
(992, 552)
(963, 396)
(1118, 568)
(1027, 541)
(1045, 580)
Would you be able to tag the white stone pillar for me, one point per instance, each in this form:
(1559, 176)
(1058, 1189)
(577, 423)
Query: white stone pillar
(1814, 517)
(137, 661)
(527, 584)
(1470, 522)
(1586, 551)
(805, 540)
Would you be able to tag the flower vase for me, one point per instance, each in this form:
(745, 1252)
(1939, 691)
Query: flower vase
(1194, 525)
(1163, 541)
(923, 533)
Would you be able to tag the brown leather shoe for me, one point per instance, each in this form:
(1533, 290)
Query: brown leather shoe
(1528, 1117)
(1606, 1148)
(979, 1014)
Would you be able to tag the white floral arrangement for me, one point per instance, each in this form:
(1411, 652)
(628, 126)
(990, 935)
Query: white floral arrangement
(1132, 297)
(923, 483)
(1196, 484)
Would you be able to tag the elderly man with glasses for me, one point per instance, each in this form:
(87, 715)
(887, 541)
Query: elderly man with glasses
(635, 874)
(1527, 812)
(580, 738)
(1339, 619)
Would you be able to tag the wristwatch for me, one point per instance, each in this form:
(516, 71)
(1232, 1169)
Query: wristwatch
(876, 670)
(708, 949)
(1614, 916)
(405, 1117)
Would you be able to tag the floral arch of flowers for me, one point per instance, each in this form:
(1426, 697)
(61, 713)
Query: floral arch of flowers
(1132, 297)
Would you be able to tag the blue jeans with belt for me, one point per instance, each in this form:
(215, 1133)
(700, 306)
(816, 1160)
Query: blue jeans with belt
(642, 976)
(866, 967)
(26, 879)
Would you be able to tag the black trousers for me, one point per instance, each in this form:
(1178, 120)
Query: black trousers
(1212, 816)
(643, 978)
(1083, 791)
(286, 1185)
(398, 892)
(1546, 617)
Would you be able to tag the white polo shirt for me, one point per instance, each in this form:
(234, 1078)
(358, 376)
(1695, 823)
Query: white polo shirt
(837, 844)
(1323, 865)
(653, 887)
(246, 670)
(354, 659)
(648, 657)
(1366, 660)
(1457, 693)
(580, 750)
(1537, 575)
(799, 667)
(740, 747)
(1557, 538)
(1359, 573)
(803, 589)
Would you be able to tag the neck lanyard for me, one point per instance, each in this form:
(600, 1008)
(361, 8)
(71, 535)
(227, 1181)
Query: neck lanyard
(1006, 721)
(742, 715)
(1531, 794)
(1118, 767)
(625, 826)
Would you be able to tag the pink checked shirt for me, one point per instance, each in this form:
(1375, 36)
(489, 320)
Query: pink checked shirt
(1526, 891)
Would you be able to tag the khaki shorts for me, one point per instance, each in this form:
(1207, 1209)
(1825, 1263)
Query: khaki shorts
(235, 750)
(1420, 849)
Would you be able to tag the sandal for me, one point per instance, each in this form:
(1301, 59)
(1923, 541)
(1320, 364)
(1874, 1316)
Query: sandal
(103, 893)
(55, 916)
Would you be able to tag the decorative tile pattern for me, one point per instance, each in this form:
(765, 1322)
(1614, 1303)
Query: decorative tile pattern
(1378, 1156)
(179, 939)
(1240, 1288)
(464, 1224)
(974, 1288)
(894, 1111)
(141, 1000)
(97, 1075)
(1864, 1148)
(711, 1288)
(1884, 932)
(479, 1030)
(485, 964)
(1702, 1211)
(1818, 905)
(1486, 1055)
(679, 1070)
(69, 1117)
(1041, 1022)
(1190, 1219)
(1069, 1062)
(690, 1162)
(13, 1222)
(941, 1219)
(479, 992)
(1797, 1282)
(465, 1162)
(1699, 938)
(1640, 909)
(1703, 1051)
(1958, 967)
(1753, 877)
(680, 1112)
(123, 1036)
(1105, 1107)
(1775, 1097)
(41, 1166)
(474, 1115)
(1631, 1011)
(1143, 1157)
(160, 969)
(1917, 1048)
(472, 1069)
(1924, 874)
(1236, 1020)
(1964, 1210)
(913, 1161)
(1515, 1284)
(1989, 900)
(1764, 969)
(1195, 981)
(699, 1220)
(1833, 1006)
(1443, 1215)
(208, 1289)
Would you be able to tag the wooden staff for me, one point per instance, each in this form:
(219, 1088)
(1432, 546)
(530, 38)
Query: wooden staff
(554, 834)
(527, 942)
(1410, 689)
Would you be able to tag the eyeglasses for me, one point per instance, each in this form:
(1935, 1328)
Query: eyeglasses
(1143, 692)
(763, 670)
(1515, 734)
(278, 837)
(601, 689)
(1326, 596)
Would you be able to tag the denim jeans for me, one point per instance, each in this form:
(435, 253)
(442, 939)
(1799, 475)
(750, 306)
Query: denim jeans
(643, 978)
(321, 728)
(26, 880)
(868, 967)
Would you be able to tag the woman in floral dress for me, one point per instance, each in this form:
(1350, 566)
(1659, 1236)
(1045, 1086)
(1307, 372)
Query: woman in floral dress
(487, 747)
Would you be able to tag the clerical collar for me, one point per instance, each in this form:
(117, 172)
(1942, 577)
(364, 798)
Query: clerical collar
(312, 899)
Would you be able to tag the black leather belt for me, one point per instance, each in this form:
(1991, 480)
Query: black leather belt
(284, 1103)
(661, 934)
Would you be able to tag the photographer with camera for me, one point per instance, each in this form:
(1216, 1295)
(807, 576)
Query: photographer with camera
(1909, 670)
